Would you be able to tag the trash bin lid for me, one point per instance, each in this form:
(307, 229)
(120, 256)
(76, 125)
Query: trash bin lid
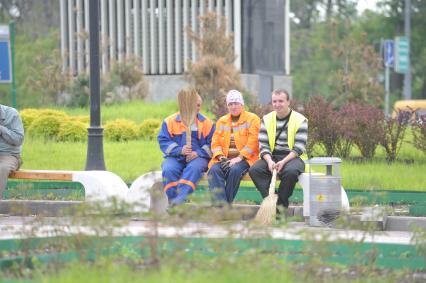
(323, 160)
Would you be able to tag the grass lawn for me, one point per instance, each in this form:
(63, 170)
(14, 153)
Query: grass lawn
(217, 271)
(133, 158)
(380, 175)
(126, 159)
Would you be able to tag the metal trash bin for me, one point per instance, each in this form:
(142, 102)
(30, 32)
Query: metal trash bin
(325, 200)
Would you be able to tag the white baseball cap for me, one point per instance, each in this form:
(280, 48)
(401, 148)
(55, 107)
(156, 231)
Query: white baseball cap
(234, 96)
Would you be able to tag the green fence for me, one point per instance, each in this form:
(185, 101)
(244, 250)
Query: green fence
(395, 256)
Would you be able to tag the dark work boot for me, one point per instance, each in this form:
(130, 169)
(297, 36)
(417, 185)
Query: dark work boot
(282, 213)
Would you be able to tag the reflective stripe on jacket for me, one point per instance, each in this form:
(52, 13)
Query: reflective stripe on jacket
(172, 136)
(294, 122)
(246, 135)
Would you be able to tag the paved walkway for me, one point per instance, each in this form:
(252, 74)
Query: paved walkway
(12, 227)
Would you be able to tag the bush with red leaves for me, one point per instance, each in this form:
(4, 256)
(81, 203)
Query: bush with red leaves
(365, 126)
(393, 133)
(419, 133)
(323, 125)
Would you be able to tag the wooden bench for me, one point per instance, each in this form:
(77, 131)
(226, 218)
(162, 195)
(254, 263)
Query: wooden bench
(140, 190)
(98, 185)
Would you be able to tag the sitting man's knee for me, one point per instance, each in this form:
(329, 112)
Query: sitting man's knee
(293, 173)
(253, 171)
(5, 170)
(200, 166)
(166, 166)
(214, 170)
(197, 170)
(171, 172)
(234, 170)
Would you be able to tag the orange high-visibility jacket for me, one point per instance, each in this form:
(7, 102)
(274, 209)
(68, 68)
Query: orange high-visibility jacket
(246, 132)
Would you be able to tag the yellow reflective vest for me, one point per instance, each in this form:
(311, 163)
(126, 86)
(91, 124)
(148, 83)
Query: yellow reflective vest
(294, 122)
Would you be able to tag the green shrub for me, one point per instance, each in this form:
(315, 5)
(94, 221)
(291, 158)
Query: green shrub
(120, 130)
(52, 112)
(46, 127)
(85, 119)
(28, 116)
(149, 129)
(72, 131)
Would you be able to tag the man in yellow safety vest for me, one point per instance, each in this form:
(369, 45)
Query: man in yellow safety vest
(282, 145)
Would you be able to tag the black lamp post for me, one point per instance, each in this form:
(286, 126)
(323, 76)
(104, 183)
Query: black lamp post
(95, 148)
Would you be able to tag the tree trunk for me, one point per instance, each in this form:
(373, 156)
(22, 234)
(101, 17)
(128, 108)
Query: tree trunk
(329, 9)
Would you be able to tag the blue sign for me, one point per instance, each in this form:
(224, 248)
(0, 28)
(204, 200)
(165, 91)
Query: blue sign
(389, 53)
(5, 59)
(5, 62)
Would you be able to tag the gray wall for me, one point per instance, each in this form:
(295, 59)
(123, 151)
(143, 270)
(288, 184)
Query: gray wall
(166, 87)
(263, 37)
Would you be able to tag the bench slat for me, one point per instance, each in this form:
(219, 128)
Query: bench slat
(41, 175)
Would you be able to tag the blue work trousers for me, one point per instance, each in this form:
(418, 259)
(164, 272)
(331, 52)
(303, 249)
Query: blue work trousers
(180, 178)
(224, 185)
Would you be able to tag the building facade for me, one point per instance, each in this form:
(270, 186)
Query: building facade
(155, 31)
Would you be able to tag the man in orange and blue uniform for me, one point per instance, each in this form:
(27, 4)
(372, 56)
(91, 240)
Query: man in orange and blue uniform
(184, 165)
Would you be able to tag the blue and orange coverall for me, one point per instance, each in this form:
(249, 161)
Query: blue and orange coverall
(179, 176)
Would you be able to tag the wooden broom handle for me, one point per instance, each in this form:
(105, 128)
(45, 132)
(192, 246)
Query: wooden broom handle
(188, 136)
(273, 180)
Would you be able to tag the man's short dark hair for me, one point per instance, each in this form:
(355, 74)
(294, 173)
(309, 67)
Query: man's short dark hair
(281, 91)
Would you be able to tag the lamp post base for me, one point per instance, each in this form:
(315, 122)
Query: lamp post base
(95, 149)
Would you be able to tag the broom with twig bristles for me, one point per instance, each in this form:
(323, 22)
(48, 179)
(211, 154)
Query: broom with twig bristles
(187, 101)
(268, 209)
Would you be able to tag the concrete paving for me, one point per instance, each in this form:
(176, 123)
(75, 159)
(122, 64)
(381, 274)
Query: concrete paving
(39, 207)
(13, 227)
(246, 212)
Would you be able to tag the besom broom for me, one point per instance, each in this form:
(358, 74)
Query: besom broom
(268, 209)
(187, 101)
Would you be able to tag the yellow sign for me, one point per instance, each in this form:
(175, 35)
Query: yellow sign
(320, 197)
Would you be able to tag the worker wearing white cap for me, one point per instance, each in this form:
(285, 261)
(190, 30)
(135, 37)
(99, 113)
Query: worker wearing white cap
(235, 148)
